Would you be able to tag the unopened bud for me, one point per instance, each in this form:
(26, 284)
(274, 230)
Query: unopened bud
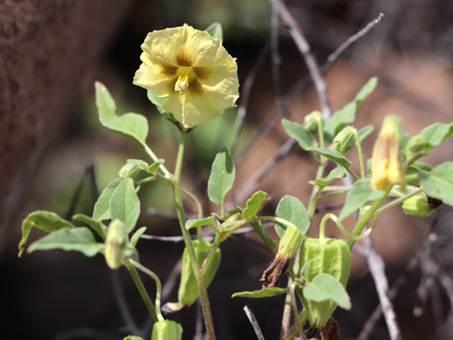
(132, 167)
(287, 247)
(311, 122)
(386, 164)
(344, 141)
(115, 244)
(420, 205)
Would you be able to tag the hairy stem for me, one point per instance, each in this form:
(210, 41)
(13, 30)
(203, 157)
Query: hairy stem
(188, 242)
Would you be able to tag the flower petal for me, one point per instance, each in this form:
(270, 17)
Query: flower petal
(154, 76)
(190, 110)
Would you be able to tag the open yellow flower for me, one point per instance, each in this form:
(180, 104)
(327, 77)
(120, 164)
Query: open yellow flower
(190, 68)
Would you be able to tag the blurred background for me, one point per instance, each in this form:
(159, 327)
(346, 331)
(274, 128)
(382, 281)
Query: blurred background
(51, 52)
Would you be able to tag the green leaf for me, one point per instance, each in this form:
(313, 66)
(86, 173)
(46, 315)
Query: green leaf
(439, 183)
(436, 133)
(325, 287)
(254, 204)
(155, 166)
(156, 100)
(360, 194)
(131, 125)
(412, 173)
(136, 236)
(259, 229)
(333, 156)
(102, 207)
(222, 177)
(215, 31)
(77, 239)
(302, 136)
(98, 227)
(125, 205)
(266, 292)
(131, 337)
(44, 220)
(292, 210)
(199, 222)
(365, 132)
(336, 173)
(346, 115)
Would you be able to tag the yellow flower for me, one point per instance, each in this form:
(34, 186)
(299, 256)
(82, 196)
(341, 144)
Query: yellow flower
(190, 68)
(386, 164)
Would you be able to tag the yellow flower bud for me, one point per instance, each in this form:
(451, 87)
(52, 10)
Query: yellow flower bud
(386, 164)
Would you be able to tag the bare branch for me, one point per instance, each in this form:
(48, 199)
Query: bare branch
(377, 269)
(254, 323)
(304, 48)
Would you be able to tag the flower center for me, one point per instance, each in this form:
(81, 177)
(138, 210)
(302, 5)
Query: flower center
(183, 81)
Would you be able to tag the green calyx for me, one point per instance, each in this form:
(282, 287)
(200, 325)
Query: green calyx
(420, 205)
(166, 330)
(188, 289)
(327, 256)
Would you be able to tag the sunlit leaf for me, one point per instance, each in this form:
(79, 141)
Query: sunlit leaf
(439, 182)
(325, 287)
(130, 125)
(302, 136)
(360, 194)
(222, 177)
(291, 209)
(266, 292)
(79, 239)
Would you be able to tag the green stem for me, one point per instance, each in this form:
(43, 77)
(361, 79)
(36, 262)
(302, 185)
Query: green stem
(194, 198)
(316, 192)
(297, 320)
(359, 151)
(153, 156)
(188, 242)
(141, 288)
(158, 286)
(293, 331)
(343, 230)
(211, 252)
(363, 220)
(399, 200)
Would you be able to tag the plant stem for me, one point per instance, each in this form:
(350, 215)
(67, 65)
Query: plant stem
(188, 242)
(153, 156)
(363, 220)
(158, 286)
(170, 181)
(141, 288)
(316, 192)
(359, 151)
(297, 320)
